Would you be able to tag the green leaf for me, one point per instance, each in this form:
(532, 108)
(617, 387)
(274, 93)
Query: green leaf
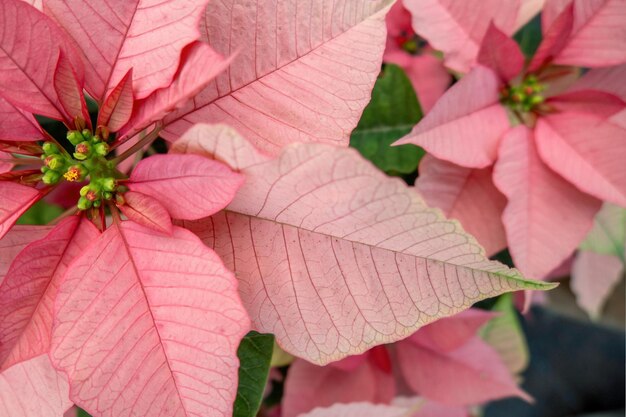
(255, 354)
(504, 333)
(82, 413)
(391, 114)
(529, 36)
(40, 213)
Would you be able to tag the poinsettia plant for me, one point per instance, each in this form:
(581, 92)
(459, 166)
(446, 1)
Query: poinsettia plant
(209, 192)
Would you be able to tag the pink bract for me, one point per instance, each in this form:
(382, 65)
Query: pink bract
(554, 171)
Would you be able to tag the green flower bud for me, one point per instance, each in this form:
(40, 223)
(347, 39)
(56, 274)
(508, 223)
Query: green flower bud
(534, 100)
(101, 148)
(83, 150)
(51, 177)
(87, 134)
(44, 169)
(54, 162)
(75, 137)
(84, 204)
(75, 173)
(50, 148)
(107, 196)
(97, 203)
(108, 184)
(84, 190)
(91, 195)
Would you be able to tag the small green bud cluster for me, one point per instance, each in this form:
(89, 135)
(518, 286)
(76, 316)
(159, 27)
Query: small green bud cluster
(87, 144)
(524, 97)
(55, 163)
(99, 190)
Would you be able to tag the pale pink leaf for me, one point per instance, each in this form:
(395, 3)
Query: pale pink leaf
(598, 38)
(219, 142)
(118, 105)
(594, 276)
(145, 35)
(34, 389)
(29, 290)
(469, 375)
(69, 89)
(359, 410)
(426, 408)
(190, 187)
(340, 258)
(452, 332)
(501, 53)
(304, 71)
(465, 125)
(546, 217)
(16, 240)
(528, 10)
(468, 195)
(15, 199)
(147, 211)
(17, 125)
(309, 386)
(29, 47)
(429, 77)
(199, 66)
(457, 27)
(551, 11)
(588, 151)
(153, 316)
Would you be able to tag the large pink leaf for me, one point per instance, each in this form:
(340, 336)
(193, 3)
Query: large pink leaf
(469, 375)
(594, 276)
(339, 257)
(29, 290)
(17, 125)
(16, 240)
(309, 386)
(15, 199)
(597, 38)
(466, 124)
(147, 211)
(199, 66)
(588, 151)
(589, 102)
(5, 162)
(303, 73)
(500, 53)
(468, 195)
(145, 35)
(30, 44)
(546, 218)
(33, 389)
(155, 317)
(457, 28)
(188, 186)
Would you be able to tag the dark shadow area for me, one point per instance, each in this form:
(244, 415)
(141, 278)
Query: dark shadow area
(576, 370)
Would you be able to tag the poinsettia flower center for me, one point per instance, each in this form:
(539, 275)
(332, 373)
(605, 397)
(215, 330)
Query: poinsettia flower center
(88, 162)
(523, 97)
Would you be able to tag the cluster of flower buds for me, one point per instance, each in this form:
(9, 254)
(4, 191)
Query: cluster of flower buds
(524, 97)
(87, 162)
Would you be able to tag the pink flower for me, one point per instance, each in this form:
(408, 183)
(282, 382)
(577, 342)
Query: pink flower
(427, 74)
(552, 146)
(444, 363)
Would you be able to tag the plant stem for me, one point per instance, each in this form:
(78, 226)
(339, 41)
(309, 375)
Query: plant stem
(137, 146)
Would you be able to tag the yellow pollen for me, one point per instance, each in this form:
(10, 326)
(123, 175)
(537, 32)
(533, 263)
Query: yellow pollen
(71, 175)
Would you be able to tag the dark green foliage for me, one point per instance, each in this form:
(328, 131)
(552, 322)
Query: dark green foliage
(391, 114)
